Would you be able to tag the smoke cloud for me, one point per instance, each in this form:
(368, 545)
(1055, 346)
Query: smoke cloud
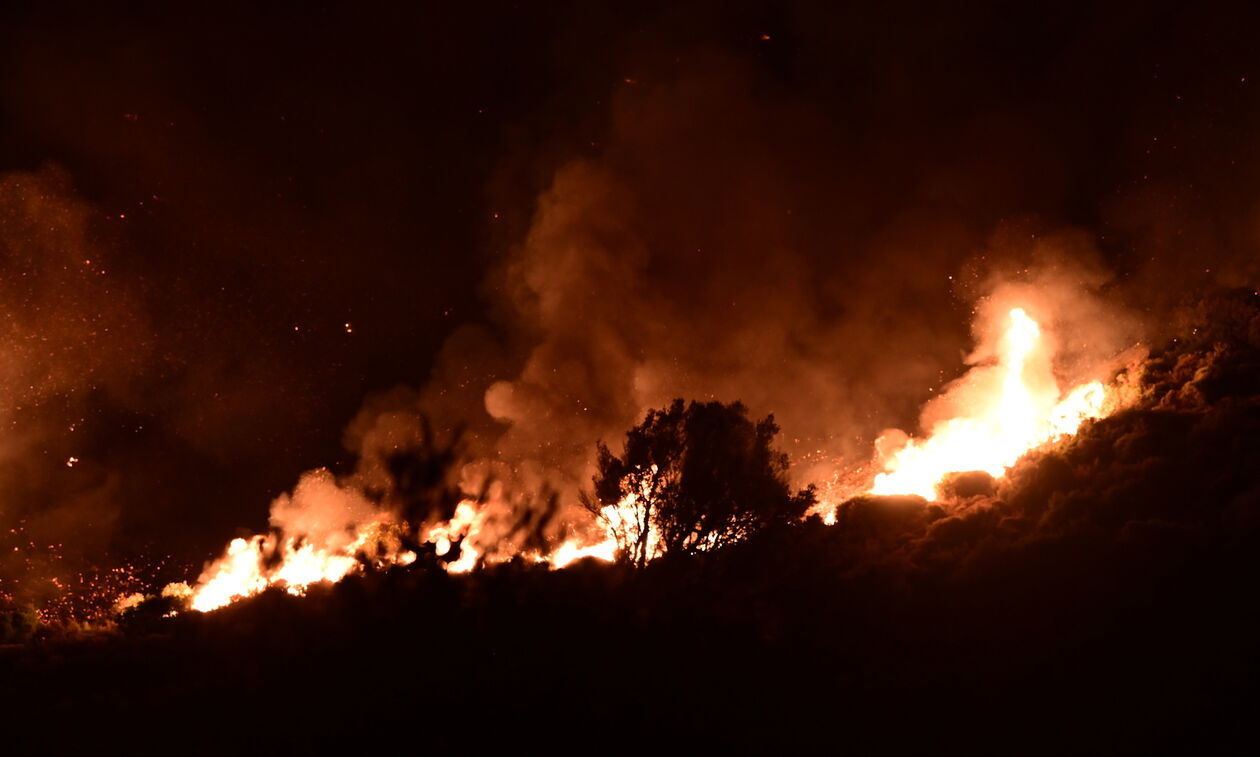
(690, 255)
(689, 258)
(805, 209)
(71, 334)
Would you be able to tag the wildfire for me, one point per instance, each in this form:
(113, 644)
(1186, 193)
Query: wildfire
(571, 551)
(294, 563)
(467, 528)
(463, 529)
(252, 565)
(1006, 412)
(326, 530)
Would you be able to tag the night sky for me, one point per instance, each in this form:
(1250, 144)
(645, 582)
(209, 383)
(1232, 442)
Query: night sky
(225, 227)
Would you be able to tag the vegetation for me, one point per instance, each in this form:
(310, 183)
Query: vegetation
(694, 477)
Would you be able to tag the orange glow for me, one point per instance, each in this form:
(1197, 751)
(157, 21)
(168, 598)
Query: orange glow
(1004, 413)
(463, 528)
(570, 552)
(254, 564)
(626, 521)
(242, 572)
(468, 527)
(327, 529)
(293, 563)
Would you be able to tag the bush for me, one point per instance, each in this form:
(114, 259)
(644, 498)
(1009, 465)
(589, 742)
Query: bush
(692, 478)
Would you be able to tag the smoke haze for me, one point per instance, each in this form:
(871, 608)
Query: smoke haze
(802, 207)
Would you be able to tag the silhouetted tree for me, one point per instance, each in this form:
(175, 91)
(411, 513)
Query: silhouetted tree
(694, 477)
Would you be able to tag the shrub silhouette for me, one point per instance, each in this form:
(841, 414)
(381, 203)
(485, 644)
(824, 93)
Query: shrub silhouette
(693, 477)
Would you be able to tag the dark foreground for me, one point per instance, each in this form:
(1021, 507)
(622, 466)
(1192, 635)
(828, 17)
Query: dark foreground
(772, 645)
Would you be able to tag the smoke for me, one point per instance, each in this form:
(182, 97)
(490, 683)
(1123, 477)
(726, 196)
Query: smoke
(1062, 280)
(70, 336)
(690, 256)
(1069, 341)
(803, 211)
(808, 220)
(675, 264)
(320, 511)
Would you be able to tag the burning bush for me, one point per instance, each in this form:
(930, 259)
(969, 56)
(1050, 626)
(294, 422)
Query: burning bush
(692, 478)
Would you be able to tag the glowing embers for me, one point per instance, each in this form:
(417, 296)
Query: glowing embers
(1001, 412)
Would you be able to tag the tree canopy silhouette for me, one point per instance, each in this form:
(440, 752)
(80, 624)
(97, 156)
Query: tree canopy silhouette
(694, 477)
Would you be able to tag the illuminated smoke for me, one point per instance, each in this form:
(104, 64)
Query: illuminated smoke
(644, 276)
(326, 529)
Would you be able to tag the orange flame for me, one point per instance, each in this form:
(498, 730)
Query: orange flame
(570, 552)
(254, 564)
(1005, 411)
(997, 427)
(465, 527)
(468, 527)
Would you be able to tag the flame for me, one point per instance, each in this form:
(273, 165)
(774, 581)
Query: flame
(294, 564)
(464, 527)
(242, 572)
(999, 426)
(571, 551)
(1005, 410)
(468, 528)
(238, 574)
(626, 521)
